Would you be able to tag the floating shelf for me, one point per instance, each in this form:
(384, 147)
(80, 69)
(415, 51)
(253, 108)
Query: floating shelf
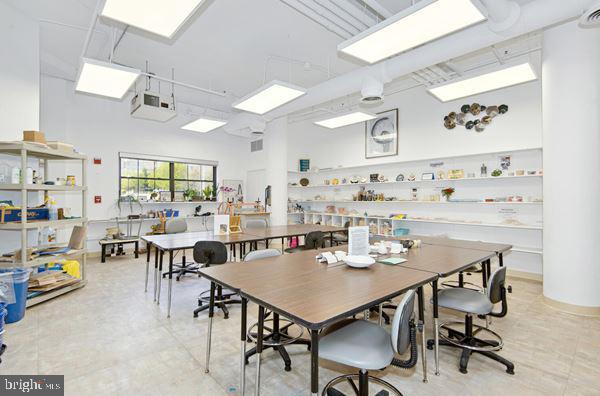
(423, 202)
(442, 181)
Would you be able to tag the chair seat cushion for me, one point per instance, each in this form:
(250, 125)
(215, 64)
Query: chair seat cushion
(465, 300)
(361, 344)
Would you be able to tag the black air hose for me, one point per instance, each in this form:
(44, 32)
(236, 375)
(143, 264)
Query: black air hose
(406, 364)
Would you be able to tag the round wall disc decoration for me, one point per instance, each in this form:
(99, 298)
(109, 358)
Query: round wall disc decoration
(304, 182)
(468, 116)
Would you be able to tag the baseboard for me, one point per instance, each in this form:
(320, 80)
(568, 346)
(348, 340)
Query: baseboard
(572, 309)
(530, 276)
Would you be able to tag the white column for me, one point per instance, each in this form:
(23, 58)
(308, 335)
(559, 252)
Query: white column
(275, 148)
(571, 142)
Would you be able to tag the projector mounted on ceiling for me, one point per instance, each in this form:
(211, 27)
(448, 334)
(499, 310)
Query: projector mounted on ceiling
(149, 105)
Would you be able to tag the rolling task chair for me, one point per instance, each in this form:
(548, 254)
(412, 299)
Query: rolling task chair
(312, 240)
(177, 226)
(367, 346)
(471, 303)
(340, 238)
(279, 335)
(207, 253)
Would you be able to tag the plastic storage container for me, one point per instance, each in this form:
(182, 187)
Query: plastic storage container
(3, 313)
(401, 231)
(20, 280)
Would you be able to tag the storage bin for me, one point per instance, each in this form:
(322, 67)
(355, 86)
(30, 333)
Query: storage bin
(20, 280)
(401, 231)
(3, 313)
(10, 214)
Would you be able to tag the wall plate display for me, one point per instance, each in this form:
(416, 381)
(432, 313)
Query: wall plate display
(381, 135)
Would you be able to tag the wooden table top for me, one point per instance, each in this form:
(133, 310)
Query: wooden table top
(291, 230)
(187, 240)
(311, 293)
(460, 243)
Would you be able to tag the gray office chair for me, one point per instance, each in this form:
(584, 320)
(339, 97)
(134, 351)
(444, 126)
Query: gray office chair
(340, 238)
(367, 346)
(178, 225)
(207, 253)
(279, 336)
(472, 302)
(312, 240)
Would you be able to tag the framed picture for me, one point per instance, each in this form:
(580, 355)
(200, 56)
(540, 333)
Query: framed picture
(381, 135)
(427, 176)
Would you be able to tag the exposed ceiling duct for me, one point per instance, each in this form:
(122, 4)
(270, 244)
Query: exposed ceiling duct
(533, 16)
(591, 17)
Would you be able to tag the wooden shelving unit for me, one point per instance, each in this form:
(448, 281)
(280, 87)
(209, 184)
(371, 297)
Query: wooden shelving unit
(26, 150)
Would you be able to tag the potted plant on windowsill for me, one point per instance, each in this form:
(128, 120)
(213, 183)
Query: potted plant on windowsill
(447, 193)
(190, 194)
(208, 193)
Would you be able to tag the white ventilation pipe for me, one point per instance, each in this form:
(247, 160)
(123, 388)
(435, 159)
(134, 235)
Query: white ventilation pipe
(310, 14)
(502, 14)
(534, 16)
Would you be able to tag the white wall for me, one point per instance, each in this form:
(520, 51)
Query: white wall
(102, 128)
(19, 73)
(421, 131)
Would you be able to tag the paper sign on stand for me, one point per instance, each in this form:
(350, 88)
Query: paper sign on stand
(221, 225)
(358, 241)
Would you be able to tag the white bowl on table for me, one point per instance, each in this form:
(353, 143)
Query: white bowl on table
(359, 261)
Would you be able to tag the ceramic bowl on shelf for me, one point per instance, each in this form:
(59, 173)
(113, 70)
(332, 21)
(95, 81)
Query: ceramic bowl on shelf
(359, 261)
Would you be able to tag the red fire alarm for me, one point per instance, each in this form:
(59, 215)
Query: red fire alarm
(97, 199)
(97, 161)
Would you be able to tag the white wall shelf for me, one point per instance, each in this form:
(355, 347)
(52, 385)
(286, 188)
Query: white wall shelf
(418, 202)
(40, 187)
(42, 223)
(440, 181)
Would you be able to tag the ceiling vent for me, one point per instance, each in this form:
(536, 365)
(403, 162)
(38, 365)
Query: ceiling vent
(371, 91)
(591, 18)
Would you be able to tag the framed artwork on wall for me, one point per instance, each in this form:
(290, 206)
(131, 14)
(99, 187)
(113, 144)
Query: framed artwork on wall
(381, 135)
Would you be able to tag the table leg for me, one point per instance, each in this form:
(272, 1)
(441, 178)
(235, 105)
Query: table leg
(155, 272)
(331, 239)
(259, 346)
(170, 283)
(160, 268)
(103, 254)
(137, 249)
(211, 312)
(484, 274)
(421, 327)
(266, 243)
(500, 260)
(314, 362)
(243, 347)
(436, 330)
(147, 267)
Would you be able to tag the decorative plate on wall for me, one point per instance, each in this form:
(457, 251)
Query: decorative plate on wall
(304, 182)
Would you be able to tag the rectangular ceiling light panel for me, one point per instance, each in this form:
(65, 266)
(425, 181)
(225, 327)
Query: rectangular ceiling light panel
(426, 21)
(105, 79)
(502, 78)
(269, 97)
(346, 119)
(157, 16)
(204, 124)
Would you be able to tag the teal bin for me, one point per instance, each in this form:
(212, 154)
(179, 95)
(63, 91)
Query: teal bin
(401, 231)
(20, 280)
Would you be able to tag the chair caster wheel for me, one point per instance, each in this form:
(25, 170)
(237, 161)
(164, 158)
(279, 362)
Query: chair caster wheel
(510, 371)
(226, 316)
(464, 371)
(195, 315)
(288, 368)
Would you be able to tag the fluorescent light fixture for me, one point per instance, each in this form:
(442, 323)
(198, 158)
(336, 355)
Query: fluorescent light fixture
(160, 17)
(489, 81)
(346, 119)
(269, 97)
(105, 79)
(425, 21)
(204, 124)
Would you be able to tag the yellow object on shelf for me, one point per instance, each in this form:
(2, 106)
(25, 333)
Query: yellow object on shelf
(456, 174)
(71, 267)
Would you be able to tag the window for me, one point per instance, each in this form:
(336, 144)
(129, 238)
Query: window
(165, 179)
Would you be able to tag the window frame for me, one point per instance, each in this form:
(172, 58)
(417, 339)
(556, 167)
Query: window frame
(171, 179)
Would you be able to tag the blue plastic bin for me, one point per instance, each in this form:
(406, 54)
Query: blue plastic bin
(16, 310)
(3, 313)
(401, 231)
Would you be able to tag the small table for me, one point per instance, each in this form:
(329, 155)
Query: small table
(119, 243)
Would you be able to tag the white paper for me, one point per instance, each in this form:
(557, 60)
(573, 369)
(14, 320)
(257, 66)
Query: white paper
(221, 225)
(358, 241)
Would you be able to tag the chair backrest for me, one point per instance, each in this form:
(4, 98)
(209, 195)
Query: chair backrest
(347, 224)
(261, 254)
(210, 252)
(175, 226)
(256, 223)
(401, 323)
(496, 284)
(314, 240)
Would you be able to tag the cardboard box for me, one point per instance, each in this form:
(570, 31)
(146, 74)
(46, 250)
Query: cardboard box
(34, 136)
(11, 215)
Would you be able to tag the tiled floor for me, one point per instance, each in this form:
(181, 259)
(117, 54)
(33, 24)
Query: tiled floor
(110, 338)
